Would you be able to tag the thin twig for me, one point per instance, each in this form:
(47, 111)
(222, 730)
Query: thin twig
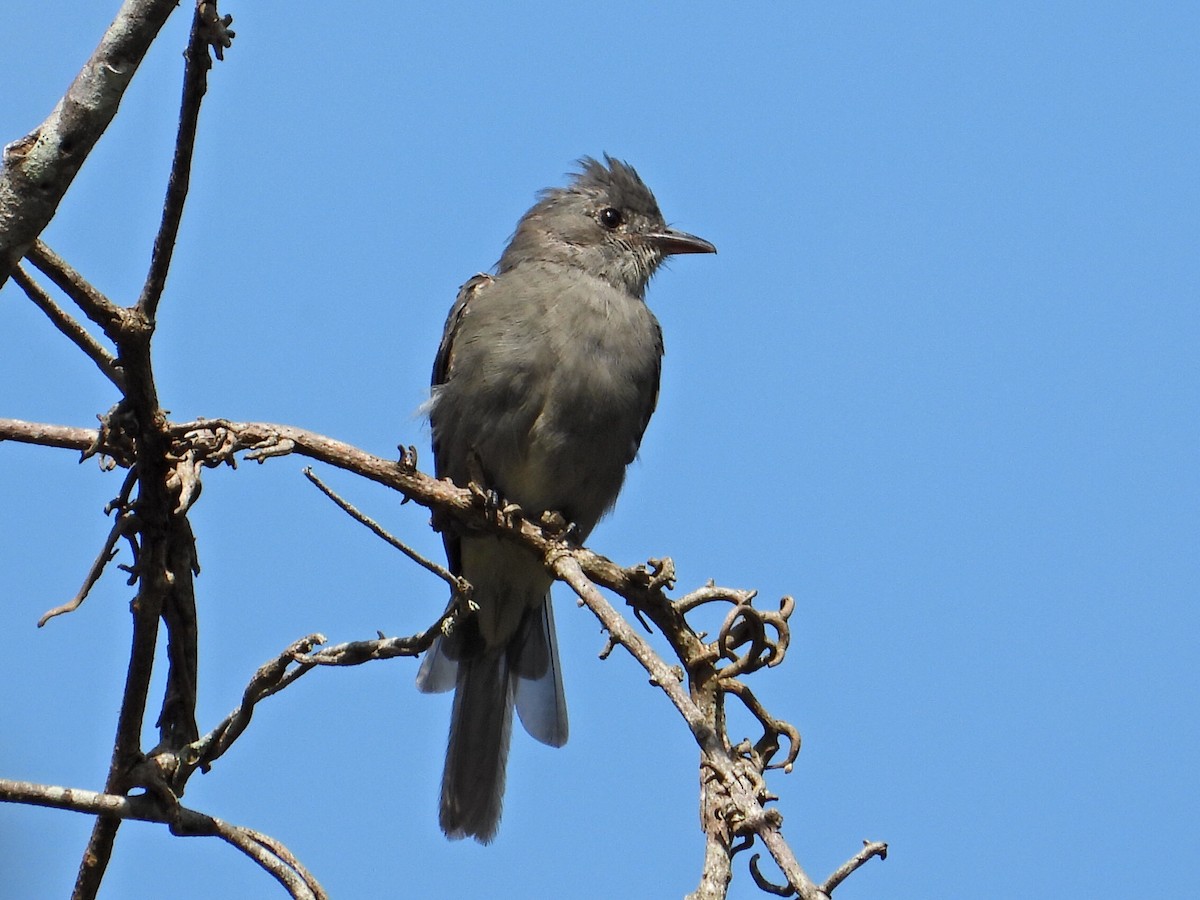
(845, 870)
(765, 884)
(195, 84)
(457, 584)
(72, 329)
(90, 301)
(120, 526)
(272, 856)
(355, 653)
(567, 568)
(269, 679)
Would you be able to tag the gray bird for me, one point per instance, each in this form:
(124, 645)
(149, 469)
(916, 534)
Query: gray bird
(545, 379)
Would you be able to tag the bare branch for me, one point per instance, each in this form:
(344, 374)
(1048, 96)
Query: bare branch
(717, 872)
(167, 559)
(76, 800)
(797, 878)
(40, 167)
(734, 789)
(269, 679)
(68, 326)
(275, 858)
(457, 583)
(564, 564)
(90, 301)
(195, 84)
(845, 870)
(65, 437)
(120, 527)
(267, 852)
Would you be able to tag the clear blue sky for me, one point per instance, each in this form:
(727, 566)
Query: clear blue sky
(940, 384)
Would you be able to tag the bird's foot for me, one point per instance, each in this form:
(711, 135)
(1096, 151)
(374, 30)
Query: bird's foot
(556, 527)
(501, 511)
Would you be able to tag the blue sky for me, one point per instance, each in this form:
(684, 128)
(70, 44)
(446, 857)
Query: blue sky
(940, 384)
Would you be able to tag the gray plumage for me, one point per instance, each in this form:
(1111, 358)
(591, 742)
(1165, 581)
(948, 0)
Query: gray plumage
(545, 379)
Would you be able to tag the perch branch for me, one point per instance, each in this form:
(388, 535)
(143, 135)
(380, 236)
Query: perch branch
(734, 789)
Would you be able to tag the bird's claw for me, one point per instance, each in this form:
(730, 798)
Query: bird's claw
(502, 511)
(557, 528)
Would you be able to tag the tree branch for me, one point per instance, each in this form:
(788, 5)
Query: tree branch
(269, 854)
(40, 167)
(270, 678)
(72, 329)
(121, 527)
(94, 304)
(845, 870)
(65, 437)
(195, 84)
(735, 795)
(457, 583)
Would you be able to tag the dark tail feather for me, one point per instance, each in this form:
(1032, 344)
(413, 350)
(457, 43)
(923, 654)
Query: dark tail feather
(480, 728)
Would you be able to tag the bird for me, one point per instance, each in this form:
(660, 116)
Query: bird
(544, 382)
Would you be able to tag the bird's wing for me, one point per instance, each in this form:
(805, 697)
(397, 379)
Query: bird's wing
(443, 363)
(652, 400)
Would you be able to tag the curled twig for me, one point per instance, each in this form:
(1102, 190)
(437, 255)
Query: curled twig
(779, 890)
(711, 593)
(768, 745)
(658, 573)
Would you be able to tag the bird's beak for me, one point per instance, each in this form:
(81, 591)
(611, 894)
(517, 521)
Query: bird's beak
(670, 241)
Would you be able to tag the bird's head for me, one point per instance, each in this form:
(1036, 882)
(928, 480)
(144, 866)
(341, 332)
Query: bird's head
(607, 222)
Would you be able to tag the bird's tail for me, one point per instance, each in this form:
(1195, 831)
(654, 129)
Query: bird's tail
(480, 730)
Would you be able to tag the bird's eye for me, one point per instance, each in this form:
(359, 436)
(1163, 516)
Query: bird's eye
(610, 218)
